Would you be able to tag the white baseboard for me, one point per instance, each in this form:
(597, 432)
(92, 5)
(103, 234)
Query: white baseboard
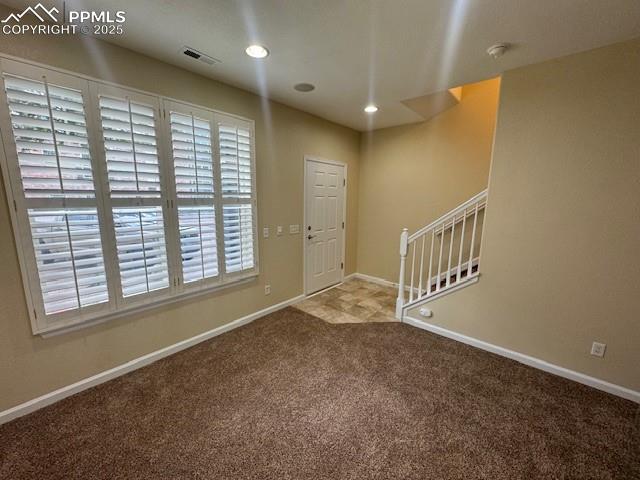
(59, 394)
(372, 279)
(527, 360)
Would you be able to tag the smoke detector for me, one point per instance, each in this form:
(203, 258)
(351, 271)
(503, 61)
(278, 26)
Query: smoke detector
(497, 50)
(202, 57)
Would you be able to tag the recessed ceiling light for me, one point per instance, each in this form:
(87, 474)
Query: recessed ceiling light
(257, 51)
(304, 87)
(371, 109)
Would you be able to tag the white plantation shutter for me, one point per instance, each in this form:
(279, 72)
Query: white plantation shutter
(198, 243)
(121, 199)
(192, 156)
(238, 193)
(238, 238)
(69, 259)
(235, 161)
(50, 135)
(131, 148)
(195, 180)
(142, 256)
(135, 191)
(54, 186)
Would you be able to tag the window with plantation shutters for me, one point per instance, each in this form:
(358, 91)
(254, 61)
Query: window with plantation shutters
(55, 188)
(237, 185)
(121, 199)
(133, 172)
(195, 178)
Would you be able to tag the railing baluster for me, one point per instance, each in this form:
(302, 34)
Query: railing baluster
(413, 266)
(421, 267)
(453, 233)
(473, 240)
(440, 258)
(433, 240)
(464, 223)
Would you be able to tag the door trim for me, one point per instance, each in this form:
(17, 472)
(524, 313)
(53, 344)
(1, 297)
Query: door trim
(306, 160)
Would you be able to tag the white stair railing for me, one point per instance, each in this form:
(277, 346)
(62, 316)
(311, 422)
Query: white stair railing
(451, 259)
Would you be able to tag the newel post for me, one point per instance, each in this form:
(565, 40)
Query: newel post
(404, 241)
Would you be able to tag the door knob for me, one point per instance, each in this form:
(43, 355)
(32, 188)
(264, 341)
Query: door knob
(309, 237)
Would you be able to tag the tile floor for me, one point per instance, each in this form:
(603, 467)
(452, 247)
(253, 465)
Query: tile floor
(354, 301)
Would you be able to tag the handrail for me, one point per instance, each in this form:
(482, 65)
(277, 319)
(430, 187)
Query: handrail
(454, 274)
(462, 206)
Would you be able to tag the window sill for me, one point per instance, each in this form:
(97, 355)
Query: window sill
(134, 309)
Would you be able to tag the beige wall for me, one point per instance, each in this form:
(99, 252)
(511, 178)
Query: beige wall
(31, 366)
(410, 175)
(560, 262)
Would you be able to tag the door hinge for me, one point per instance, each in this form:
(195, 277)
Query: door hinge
(343, 225)
(15, 206)
(35, 314)
(344, 182)
(341, 265)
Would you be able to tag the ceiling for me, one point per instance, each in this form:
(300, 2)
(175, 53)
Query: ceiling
(361, 51)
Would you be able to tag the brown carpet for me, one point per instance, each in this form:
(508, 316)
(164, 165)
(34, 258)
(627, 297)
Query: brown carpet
(292, 397)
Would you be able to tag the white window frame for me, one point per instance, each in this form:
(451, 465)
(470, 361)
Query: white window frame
(169, 106)
(98, 90)
(117, 306)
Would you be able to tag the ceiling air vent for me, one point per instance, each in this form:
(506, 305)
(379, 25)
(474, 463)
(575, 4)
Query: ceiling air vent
(201, 57)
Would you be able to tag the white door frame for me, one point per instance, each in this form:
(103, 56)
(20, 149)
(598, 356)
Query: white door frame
(312, 158)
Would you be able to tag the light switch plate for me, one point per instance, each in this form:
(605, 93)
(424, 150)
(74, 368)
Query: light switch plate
(293, 229)
(279, 230)
(265, 232)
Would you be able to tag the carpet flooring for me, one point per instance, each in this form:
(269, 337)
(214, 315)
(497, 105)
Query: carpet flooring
(292, 397)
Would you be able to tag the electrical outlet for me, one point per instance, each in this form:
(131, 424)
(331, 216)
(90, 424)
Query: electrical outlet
(267, 289)
(425, 312)
(279, 230)
(265, 232)
(597, 349)
(293, 229)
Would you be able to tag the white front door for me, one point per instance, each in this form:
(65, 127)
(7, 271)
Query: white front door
(324, 230)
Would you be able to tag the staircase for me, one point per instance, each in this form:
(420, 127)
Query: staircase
(441, 255)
